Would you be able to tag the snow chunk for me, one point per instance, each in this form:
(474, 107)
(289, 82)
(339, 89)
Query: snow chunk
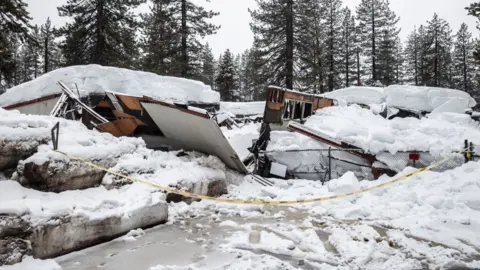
(347, 183)
(98, 79)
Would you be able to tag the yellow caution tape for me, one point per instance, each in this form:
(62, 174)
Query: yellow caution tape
(257, 202)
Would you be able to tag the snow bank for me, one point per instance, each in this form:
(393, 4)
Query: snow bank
(438, 133)
(358, 95)
(243, 108)
(427, 98)
(98, 79)
(94, 203)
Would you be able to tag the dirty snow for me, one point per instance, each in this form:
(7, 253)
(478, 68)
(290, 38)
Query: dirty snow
(98, 79)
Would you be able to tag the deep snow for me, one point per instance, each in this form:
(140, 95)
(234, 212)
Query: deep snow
(98, 79)
(415, 98)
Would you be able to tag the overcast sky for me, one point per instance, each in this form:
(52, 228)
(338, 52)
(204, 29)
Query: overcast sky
(234, 17)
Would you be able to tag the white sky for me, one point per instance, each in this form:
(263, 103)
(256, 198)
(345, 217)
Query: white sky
(234, 17)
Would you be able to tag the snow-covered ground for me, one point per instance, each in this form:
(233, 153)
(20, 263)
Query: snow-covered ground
(98, 79)
(428, 221)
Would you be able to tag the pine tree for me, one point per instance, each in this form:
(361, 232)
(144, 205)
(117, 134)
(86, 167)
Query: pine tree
(194, 25)
(412, 58)
(50, 55)
(399, 58)
(274, 28)
(463, 61)
(256, 83)
(333, 41)
(378, 33)
(14, 26)
(474, 10)
(438, 55)
(160, 39)
(227, 78)
(348, 48)
(311, 46)
(208, 66)
(101, 31)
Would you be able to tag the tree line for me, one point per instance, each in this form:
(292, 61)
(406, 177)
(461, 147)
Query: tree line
(315, 46)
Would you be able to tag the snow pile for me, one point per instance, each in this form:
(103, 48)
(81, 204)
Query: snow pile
(437, 133)
(168, 169)
(347, 183)
(94, 203)
(243, 108)
(242, 138)
(358, 95)
(98, 79)
(74, 138)
(428, 98)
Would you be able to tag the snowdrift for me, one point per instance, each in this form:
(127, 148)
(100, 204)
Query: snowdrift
(413, 98)
(98, 79)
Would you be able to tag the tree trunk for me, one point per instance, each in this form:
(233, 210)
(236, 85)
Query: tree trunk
(374, 52)
(289, 48)
(465, 83)
(359, 82)
(46, 53)
(435, 73)
(331, 56)
(98, 57)
(415, 59)
(184, 64)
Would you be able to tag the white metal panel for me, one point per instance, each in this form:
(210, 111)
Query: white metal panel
(189, 131)
(38, 108)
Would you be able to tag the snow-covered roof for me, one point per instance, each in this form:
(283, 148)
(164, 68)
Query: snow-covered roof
(98, 79)
(438, 132)
(243, 108)
(426, 98)
(414, 98)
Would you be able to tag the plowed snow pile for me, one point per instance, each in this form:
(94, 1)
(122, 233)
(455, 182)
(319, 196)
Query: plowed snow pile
(98, 79)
